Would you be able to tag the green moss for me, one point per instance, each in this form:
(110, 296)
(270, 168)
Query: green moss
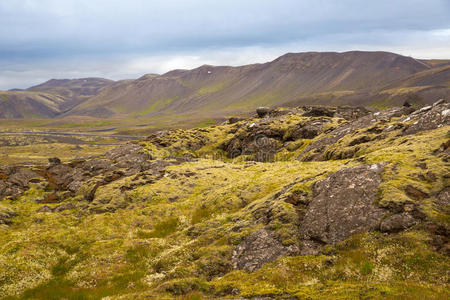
(165, 227)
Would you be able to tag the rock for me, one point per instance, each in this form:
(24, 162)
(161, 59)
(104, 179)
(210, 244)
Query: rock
(415, 193)
(54, 161)
(63, 207)
(360, 140)
(319, 111)
(398, 222)
(443, 200)
(293, 146)
(131, 157)
(22, 177)
(308, 130)
(258, 248)
(427, 118)
(342, 205)
(59, 176)
(350, 112)
(262, 111)
(45, 209)
(439, 102)
(316, 150)
(234, 120)
(96, 166)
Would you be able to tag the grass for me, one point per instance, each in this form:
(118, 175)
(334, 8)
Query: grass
(175, 236)
(155, 106)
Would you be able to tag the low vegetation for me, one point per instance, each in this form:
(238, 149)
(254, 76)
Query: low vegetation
(200, 214)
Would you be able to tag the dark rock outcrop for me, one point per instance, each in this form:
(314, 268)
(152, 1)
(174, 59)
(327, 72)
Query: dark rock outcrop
(342, 205)
(262, 111)
(258, 248)
(428, 117)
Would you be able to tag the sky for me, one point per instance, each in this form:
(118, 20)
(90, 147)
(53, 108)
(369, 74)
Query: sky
(120, 39)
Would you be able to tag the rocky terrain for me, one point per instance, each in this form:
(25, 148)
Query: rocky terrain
(309, 202)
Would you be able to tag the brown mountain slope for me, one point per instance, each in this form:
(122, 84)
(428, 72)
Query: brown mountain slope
(74, 91)
(421, 88)
(226, 89)
(23, 104)
(49, 99)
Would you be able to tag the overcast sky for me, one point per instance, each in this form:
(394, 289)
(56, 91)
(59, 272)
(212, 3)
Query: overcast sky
(117, 39)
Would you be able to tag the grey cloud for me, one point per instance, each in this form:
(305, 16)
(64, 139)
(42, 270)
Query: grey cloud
(46, 34)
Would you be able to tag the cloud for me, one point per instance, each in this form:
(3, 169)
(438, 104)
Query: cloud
(41, 39)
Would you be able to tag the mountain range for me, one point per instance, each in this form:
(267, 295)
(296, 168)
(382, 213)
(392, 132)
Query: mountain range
(376, 79)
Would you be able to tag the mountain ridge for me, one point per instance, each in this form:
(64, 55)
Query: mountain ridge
(339, 78)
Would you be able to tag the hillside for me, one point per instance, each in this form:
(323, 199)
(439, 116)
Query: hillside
(377, 79)
(309, 202)
(49, 99)
(218, 90)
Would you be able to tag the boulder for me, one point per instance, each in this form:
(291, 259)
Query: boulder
(342, 205)
(319, 111)
(262, 111)
(398, 222)
(258, 248)
(427, 118)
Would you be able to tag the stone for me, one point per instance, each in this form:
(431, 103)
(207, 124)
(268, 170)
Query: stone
(342, 205)
(258, 248)
(427, 118)
(262, 111)
(397, 222)
(54, 161)
(319, 111)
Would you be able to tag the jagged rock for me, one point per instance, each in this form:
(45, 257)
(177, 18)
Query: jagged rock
(439, 102)
(16, 181)
(258, 248)
(131, 157)
(342, 205)
(262, 111)
(316, 150)
(350, 112)
(398, 222)
(96, 166)
(22, 178)
(319, 111)
(360, 140)
(443, 200)
(63, 207)
(234, 120)
(307, 130)
(427, 118)
(60, 176)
